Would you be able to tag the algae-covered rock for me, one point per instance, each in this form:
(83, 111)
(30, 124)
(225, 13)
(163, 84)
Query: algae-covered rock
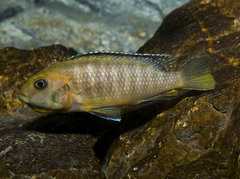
(195, 136)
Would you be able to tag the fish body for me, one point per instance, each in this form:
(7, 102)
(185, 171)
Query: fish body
(102, 83)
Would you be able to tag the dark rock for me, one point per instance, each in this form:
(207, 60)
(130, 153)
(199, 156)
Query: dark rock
(196, 136)
(35, 145)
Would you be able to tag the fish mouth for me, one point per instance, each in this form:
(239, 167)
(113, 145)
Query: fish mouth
(22, 97)
(37, 108)
(44, 110)
(41, 109)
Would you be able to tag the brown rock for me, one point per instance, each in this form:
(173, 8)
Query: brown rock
(195, 136)
(60, 145)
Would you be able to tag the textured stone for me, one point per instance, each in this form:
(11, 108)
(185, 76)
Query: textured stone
(197, 135)
(24, 151)
(60, 145)
(83, 25)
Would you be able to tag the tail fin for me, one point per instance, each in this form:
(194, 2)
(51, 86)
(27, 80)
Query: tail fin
(196, 74)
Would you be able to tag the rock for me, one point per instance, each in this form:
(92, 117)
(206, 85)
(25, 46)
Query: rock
(35, 145)
(197, 135)
(55, 146)
(83, 25)
(25, 152)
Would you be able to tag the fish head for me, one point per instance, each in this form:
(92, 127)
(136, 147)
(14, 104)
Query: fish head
(47, 92)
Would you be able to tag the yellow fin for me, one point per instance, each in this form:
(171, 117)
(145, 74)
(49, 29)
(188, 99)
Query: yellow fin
(196, 74)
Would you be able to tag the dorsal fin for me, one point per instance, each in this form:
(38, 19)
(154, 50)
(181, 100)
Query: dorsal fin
(162, 61)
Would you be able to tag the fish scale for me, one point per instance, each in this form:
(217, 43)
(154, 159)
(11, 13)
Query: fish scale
(126, 86)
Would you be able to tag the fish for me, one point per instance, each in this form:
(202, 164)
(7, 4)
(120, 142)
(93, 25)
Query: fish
(102, 83)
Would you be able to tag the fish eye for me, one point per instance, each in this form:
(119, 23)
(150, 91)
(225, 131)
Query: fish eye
(40, 84)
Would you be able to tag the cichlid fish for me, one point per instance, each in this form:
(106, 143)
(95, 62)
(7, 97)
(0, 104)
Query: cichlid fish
(103, 83)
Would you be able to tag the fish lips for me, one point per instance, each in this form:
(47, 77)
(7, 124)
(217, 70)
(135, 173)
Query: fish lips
(23, 98)
(44, 110)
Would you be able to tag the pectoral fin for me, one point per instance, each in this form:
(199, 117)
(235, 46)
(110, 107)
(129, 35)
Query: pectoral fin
(109, 113)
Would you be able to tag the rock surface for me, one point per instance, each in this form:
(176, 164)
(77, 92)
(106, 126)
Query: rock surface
(27, 152)
(83, 25)
(198, 136)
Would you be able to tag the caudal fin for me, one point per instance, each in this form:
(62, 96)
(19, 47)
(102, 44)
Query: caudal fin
(196, 74)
